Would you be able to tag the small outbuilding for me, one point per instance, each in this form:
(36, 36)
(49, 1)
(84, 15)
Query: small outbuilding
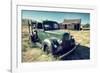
(71, 24)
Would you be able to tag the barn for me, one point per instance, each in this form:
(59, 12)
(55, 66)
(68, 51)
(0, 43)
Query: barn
(71, 24)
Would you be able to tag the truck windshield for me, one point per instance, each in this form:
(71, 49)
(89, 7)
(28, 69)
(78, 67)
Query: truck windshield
(51, 26)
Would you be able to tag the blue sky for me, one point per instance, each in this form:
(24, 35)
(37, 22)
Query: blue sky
(55, 16)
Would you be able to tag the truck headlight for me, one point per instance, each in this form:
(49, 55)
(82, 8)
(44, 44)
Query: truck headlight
(59, 41)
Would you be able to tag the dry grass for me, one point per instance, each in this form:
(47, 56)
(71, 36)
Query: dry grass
(82, 37)
(34, 55)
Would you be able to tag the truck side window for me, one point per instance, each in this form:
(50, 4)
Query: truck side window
(39, 26)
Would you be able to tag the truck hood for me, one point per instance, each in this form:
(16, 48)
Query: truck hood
(57, 32)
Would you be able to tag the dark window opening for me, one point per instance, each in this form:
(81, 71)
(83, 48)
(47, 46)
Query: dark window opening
(39, 26)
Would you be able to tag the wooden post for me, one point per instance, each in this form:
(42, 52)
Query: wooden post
(29, 28)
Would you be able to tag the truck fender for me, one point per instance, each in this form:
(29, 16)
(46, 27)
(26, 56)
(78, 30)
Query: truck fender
(47, 43)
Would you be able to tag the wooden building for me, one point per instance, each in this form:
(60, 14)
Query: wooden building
(71, 24)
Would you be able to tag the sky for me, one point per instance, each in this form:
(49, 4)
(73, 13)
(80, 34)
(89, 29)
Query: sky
(55, 16)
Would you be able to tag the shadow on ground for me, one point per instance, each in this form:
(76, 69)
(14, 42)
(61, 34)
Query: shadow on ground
(80, 53)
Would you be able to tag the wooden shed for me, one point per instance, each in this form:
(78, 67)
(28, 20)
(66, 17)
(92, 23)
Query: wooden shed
(71, 24)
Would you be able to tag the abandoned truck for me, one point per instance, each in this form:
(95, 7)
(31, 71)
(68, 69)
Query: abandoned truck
(53, 40)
